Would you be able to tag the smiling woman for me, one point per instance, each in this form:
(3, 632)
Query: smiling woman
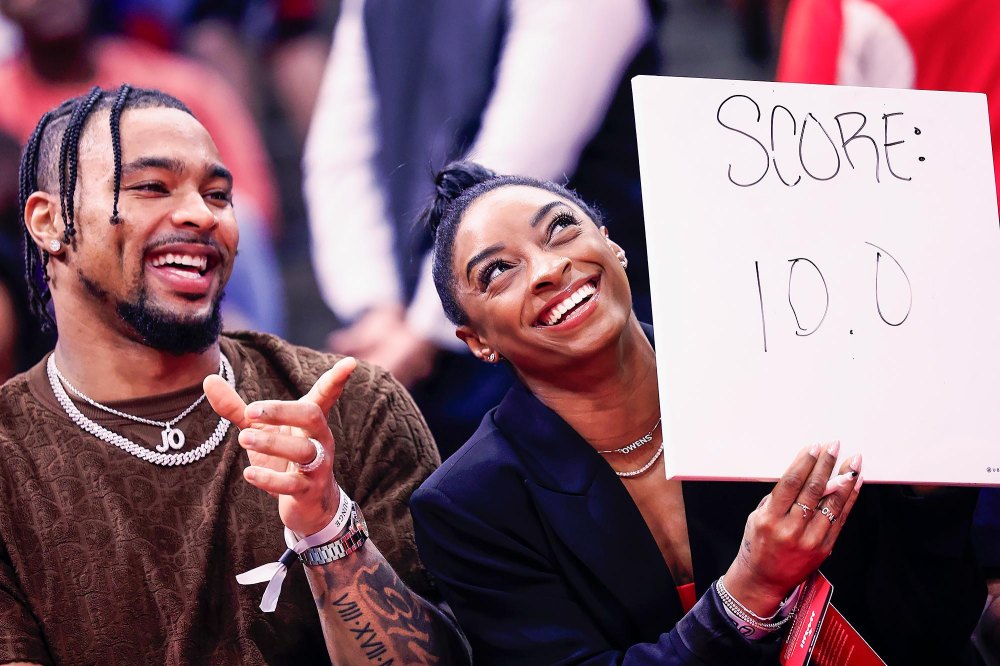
(554, 534)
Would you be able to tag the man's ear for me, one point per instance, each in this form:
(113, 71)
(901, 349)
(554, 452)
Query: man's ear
(44, 222)
(479, 347)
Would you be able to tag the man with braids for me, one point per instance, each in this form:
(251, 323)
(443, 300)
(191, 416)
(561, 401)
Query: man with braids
(60, 56)
(126, 506)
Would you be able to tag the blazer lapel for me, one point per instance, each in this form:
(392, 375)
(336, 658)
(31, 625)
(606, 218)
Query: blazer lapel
(586, 507)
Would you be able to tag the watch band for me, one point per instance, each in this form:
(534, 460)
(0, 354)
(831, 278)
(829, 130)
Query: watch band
(352, 540)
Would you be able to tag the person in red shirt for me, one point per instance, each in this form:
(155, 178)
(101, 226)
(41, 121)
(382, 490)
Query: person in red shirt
(924, 44)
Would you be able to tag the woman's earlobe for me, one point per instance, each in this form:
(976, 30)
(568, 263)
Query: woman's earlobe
(478, 346)
(493, 357)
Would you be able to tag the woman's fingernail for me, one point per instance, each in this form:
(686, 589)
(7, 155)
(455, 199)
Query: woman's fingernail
(856, 464)
(834, 448)
(248, 437)
(838, 482)
(857, 486)
(814, 450)
(249, 473)
(254, 411)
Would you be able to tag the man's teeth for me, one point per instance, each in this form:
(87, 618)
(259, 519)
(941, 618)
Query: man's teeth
(571, 301)
(200, 263)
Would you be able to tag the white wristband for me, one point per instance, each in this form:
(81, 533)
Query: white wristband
(274, 572)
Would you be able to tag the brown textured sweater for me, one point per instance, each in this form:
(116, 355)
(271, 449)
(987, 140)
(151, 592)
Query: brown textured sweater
(107, 559)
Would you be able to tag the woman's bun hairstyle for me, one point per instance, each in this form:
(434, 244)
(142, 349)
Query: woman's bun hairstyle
(449, 184)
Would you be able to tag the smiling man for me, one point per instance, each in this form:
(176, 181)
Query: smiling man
(126, 506)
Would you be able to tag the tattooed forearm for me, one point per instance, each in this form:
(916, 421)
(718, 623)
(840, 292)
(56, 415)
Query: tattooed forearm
(370, 616)
(346, 609)
(366, 637)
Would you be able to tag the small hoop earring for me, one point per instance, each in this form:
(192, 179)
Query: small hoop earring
(54, 245)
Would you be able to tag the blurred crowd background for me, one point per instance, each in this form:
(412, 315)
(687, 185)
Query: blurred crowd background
(335, 114)
(316, 263)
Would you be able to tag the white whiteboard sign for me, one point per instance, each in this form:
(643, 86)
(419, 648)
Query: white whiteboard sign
(825, 264)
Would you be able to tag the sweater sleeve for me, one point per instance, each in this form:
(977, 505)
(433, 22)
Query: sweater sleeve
(21, 637)
(391, 455)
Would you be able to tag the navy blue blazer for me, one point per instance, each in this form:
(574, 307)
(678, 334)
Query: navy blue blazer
(545, 559)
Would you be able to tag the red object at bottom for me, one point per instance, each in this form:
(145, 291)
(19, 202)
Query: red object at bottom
(839, 644)
(820, 636)
(688, 596)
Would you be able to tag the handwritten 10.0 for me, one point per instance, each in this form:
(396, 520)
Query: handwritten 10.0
(734, 113)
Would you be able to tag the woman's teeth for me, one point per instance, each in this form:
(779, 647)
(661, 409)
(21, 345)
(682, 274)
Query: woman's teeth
(571, 301)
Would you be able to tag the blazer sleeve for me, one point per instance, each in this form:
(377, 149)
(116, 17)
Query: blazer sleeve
(515, 609)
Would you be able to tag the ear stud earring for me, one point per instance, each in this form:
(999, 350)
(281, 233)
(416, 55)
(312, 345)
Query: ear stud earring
(493, 357)
(623, 260)
(54, 245)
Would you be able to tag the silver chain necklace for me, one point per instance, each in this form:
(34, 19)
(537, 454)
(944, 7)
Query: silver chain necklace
(171, 437)
(637, 472)
(158, 457)
(645, 439)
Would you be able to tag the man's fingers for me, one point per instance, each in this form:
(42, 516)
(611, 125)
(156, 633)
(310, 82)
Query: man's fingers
(274, 443)
(301, 414)
(226, 402)
(790, 484)
(330, 385)
(276, 483)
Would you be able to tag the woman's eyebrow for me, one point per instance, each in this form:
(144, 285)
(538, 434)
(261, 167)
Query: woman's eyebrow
(540, 214)
(479, 256)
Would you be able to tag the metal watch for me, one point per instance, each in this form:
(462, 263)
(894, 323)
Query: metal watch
(352, 540)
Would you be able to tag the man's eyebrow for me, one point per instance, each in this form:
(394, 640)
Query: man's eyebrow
(219, 171)
(540, 215)
(173, 165)
(151, 162)
(488, 252)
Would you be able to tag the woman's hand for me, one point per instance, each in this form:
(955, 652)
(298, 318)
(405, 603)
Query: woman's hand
(276, 434)
(794, 528)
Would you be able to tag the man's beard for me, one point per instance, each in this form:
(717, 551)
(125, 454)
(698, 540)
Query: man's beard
(165, 331)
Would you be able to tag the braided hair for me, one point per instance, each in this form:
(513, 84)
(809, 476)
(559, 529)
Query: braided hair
(51, 159)
(456, 187)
